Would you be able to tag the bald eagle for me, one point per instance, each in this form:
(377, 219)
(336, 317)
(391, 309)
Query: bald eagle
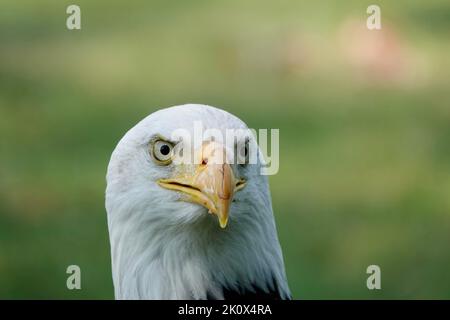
(190, 231)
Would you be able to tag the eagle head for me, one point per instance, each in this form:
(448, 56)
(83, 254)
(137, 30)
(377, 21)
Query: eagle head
(189, 212)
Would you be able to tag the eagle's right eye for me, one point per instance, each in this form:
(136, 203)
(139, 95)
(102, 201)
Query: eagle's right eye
(162, 152)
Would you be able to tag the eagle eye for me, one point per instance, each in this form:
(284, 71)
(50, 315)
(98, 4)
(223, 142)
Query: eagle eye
(162, 152)
(243, 153)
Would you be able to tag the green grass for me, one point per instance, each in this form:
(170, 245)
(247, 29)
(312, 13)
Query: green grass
(365, 156)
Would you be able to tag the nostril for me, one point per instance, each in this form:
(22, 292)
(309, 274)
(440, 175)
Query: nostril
(205, 161)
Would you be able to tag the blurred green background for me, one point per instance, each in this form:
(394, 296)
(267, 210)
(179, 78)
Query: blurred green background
(364, 119)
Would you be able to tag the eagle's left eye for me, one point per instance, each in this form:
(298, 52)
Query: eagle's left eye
(162, 152)
(243, 153)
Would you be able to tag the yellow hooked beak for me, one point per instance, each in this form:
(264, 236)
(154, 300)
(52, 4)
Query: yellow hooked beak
(211, 183)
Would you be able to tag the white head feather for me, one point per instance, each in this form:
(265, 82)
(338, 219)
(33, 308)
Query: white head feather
(163, 248)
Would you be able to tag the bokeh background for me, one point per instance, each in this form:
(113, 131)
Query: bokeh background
(364, 119)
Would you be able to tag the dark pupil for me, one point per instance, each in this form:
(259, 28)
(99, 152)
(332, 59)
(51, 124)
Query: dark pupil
(245, 151)
(164, 150)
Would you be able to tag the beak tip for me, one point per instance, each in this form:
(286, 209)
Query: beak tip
(223, 223)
